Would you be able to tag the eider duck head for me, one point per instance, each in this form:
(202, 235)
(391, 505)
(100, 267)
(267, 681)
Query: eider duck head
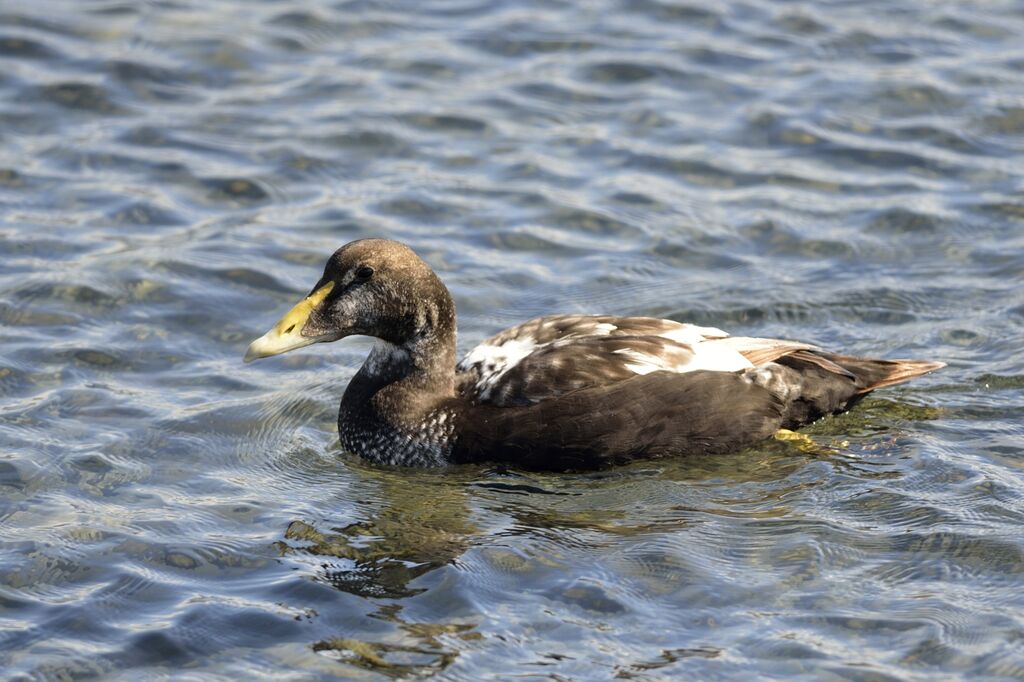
(370, 287)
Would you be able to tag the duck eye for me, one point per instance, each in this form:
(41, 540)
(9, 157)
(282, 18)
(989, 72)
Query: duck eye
(364, 272)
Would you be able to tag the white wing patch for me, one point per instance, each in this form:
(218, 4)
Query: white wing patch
(494, 361)
(642, 363)
(691, 334)
(717, 358)
(700, 356)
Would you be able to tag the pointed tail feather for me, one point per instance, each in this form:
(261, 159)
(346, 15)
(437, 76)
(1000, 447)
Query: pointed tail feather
(873, 374)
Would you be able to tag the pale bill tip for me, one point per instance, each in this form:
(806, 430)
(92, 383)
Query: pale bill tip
(257, 349)
(250, 355)
(275, 343)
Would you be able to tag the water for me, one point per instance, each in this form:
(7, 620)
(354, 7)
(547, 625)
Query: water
(173, 175)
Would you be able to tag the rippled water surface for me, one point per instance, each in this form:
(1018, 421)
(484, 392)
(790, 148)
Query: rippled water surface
(173, 175)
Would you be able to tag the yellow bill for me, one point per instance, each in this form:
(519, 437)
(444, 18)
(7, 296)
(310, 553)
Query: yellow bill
(287, 333)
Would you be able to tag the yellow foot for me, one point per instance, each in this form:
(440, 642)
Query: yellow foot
(799, 440)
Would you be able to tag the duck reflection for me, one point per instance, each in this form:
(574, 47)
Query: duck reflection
(421, 648)
(416, 524)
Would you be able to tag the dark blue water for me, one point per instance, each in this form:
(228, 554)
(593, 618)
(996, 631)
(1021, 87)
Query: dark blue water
(173, 175)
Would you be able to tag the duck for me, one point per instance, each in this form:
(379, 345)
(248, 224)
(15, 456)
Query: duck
(559, 392)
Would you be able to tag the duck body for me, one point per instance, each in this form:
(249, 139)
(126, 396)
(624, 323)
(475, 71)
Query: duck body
(557, 392)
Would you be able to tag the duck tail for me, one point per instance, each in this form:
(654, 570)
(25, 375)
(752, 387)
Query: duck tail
(872, 373)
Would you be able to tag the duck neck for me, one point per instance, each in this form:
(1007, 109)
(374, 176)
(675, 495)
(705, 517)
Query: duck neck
(396, 409)
(426, 365)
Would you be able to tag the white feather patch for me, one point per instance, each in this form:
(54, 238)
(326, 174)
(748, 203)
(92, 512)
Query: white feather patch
(603, 329)
(642, 363)
(717, 358)
(691, 334)
(494, 361)
(702, 356)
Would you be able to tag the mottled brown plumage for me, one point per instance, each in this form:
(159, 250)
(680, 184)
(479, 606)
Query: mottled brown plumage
(557, 392)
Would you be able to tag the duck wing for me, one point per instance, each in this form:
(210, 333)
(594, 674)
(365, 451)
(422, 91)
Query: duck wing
(542, 330)
(549, 356)
(668, 413)
(570, 365)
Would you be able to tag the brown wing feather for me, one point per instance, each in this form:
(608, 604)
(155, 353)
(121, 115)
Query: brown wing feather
(819, 359)
(762, 351)
(550, 328)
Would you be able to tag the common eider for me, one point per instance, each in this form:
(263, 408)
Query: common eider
(558, 392)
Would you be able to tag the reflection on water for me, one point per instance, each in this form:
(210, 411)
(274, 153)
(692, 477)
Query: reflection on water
(173, 175)
(410, 527)
(413, 528)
